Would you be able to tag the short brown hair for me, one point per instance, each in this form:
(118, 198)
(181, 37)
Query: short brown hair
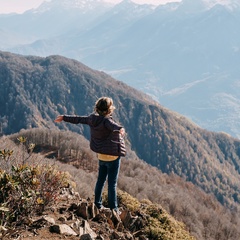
(104, 106)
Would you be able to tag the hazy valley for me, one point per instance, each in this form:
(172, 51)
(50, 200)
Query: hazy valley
(185, 55)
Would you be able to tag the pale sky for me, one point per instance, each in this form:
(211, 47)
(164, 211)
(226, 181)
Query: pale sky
(20, 6)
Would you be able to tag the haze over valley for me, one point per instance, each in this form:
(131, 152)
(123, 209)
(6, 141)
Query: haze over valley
(184, 54)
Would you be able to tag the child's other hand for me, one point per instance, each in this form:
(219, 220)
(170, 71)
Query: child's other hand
(122, 131)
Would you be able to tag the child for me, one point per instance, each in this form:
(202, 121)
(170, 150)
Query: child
(107, 141)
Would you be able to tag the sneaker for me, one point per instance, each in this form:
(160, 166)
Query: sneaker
(117, 211)
(102, 208)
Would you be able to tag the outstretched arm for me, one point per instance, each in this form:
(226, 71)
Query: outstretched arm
(72, 119)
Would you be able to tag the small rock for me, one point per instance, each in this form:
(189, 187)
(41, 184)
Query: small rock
(86, 237)
(126, 218)
(82, 210)
(86, 229)
(73, 206)
(117, 235)
(115, 219)
(62, 229)
(49, 219)
(62, 219)
(3, 229)
(93, 210)
(42, 222)
(76, 225)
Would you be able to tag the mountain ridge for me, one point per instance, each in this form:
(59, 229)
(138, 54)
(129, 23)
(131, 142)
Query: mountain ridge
(156, 51)
(35, 90)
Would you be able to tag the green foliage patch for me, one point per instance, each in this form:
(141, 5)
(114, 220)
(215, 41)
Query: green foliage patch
(159, 225)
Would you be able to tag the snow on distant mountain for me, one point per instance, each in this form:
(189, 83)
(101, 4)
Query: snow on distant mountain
(191, 6)
(230, 4)
(84, 6)
(183, 54)
(54, 18)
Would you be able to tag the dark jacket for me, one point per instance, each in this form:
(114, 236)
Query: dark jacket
(105, 136)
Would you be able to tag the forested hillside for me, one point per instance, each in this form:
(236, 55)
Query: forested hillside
(203, 215)
(35, 90)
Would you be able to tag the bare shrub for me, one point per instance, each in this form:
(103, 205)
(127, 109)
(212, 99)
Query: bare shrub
(27, 189)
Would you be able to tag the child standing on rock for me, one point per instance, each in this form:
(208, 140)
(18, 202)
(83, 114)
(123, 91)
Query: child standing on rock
(107, 141)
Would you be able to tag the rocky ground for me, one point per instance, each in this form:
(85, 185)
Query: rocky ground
(75, 218)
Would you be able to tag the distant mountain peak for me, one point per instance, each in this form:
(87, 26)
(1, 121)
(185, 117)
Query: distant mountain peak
(72, 4)
(132, 9)
(127, 3)
(230, 4)
(192, 6)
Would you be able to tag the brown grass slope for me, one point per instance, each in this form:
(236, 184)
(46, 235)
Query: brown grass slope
(203, 215)
(33, 188)
(34, 90)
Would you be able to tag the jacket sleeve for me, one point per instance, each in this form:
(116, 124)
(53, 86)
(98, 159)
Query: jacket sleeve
(76, 119)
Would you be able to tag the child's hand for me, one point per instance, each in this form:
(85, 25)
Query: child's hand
(122, 131)
(59, 118)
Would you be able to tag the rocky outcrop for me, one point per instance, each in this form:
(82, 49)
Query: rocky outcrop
(73, 218)
(79, 218)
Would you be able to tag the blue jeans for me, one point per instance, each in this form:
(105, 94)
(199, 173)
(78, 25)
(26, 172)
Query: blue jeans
(110, 170)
